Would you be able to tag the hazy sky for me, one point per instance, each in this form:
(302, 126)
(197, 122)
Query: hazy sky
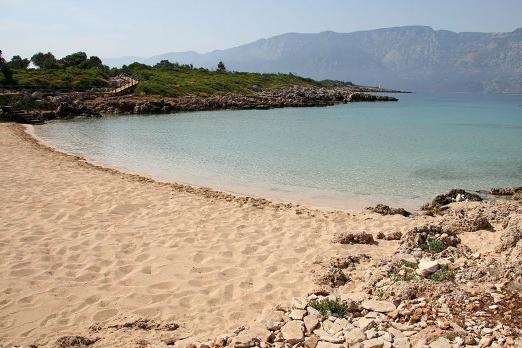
(112, 28)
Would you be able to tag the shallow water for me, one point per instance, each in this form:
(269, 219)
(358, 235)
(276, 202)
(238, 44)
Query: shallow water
(344, 156)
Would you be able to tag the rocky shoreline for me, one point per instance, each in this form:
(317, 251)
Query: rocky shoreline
(63, 106)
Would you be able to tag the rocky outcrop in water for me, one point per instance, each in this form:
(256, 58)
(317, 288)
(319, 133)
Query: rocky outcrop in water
(293, 97)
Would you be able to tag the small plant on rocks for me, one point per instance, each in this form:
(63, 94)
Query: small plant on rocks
(409, 264)
(444, 273)
(329, 307)
(434, 245)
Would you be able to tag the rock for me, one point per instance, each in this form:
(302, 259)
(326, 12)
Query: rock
(75, 341)
(440, 201)
(372, 333)
(440, 342)
(323, 344)
(331, 276)
(299, 303)
(387, 337)
(378, 306)
(273, 320)
(297, 314)
(403, 342)
(373, 343)
(328, 337)
(354, 336)
(396, 333)
(386, 210)
(353, 238)
(485, 341)
(311, 342)
(293, 331)
(365, 323)
(310, 322)
(427, 267)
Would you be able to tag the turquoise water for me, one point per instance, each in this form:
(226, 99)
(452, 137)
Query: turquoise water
(343, 156)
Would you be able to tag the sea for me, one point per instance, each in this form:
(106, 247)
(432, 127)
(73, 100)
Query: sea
(345, 156)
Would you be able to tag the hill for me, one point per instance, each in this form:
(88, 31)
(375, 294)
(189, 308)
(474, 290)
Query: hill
(413, 57)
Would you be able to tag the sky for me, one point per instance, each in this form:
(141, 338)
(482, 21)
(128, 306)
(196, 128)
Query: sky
(114, 28)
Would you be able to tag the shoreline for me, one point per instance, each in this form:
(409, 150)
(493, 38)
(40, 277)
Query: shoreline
(259, 193)
(202, 191)
(93, 254)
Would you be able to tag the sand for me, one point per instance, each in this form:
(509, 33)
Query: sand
(80, 244)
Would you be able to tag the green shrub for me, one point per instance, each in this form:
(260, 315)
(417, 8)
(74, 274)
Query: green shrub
(434, 245)
(409, 264)
(444, 273)
(329, 307)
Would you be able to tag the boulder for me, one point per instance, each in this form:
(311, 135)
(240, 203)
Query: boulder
(427, 267)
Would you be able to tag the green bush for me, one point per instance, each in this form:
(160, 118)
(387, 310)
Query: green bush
(329, 307)
(434, 245)
(444, 273)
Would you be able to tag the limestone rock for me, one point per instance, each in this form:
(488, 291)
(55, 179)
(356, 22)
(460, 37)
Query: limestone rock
(440, 342)
(427, 267)
(378, 306)
(297, 314)
(373, 343)
(310, 322)
(293, 331)
(354, 336)
(311, 342)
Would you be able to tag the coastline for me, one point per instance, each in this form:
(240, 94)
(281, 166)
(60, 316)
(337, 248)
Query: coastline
(122, 258)
(182, 187)
(116, 245)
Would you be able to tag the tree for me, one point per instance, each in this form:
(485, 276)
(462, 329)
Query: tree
(18, 62)
(4, 68)
(44, 60)
(165, 64)
(74, 59)
(221, 67)
(92, 62)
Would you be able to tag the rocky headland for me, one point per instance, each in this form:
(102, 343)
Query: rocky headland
(70, 105)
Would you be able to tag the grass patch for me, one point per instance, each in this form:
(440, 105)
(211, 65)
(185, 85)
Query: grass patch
(329, 307)
(406, 277)
(434, 245)
(444, 273)
(409, 264)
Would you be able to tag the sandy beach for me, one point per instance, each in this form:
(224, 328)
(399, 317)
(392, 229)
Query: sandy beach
(82, 244)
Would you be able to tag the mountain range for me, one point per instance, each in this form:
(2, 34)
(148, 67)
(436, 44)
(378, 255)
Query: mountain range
(416, 58)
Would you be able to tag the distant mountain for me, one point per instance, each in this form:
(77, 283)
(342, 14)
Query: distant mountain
(413, 57)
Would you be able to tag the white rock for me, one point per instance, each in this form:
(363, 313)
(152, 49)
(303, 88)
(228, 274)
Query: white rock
(396, 333)
(310, 322)
(378, 306)
(387, 337)
(323, 344)
(273, 320)
(297, 314)
(440, 342)
(354, 336)
(373, 343)
(403, 342)
(325, 336)
(427, 267)
(365, 323)
(371, 334)
(299, 303)
(293, 331)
